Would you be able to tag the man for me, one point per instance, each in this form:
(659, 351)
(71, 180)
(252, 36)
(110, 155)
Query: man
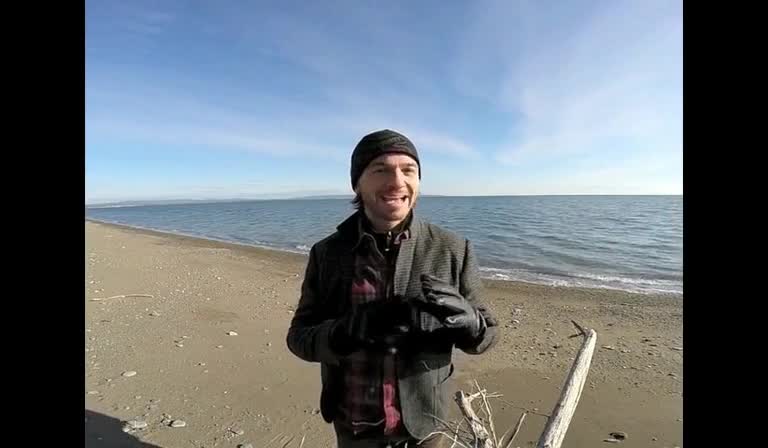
(384, 301)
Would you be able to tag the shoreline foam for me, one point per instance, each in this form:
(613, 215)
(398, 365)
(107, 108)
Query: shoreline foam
(581, 281)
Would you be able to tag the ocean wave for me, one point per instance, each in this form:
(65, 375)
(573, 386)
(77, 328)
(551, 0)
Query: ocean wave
(585, 280)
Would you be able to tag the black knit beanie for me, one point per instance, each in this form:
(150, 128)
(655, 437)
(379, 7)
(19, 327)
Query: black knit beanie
(377, 143)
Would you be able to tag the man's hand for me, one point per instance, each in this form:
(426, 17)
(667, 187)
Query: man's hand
(377, 325)
(448, 305)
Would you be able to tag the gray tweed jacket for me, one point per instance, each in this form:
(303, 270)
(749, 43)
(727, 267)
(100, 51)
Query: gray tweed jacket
(424, 371)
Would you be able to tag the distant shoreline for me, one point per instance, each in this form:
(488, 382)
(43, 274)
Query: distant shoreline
(215, 242)
(139, 203)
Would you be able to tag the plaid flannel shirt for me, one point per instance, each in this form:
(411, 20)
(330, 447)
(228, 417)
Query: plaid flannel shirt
(370, 399)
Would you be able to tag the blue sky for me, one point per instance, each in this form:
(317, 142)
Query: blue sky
(225, 99)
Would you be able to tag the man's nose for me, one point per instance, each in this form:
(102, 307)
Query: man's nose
(397, 178)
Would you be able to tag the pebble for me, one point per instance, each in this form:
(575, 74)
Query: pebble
(678, 349)
(154, 314)
(178, 424)
(239, 432)
(654, 439)
(231, 333)
(129, 373)
(269, 344)
(515, 321)
(219, 346)
(134, 424)
(265, 388)
(609, 347)
(245, 445)
(179, 345)
(620, 435)
(610, 441)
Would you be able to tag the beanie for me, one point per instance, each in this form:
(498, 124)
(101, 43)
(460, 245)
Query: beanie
(377, 143)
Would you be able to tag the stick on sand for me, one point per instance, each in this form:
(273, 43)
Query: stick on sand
(121, 296)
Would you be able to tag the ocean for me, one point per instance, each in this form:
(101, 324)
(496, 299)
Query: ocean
(629, 243)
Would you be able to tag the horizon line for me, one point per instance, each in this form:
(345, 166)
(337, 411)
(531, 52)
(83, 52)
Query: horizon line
(181, 201)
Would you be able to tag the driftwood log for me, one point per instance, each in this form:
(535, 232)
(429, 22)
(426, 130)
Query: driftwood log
(557, 424)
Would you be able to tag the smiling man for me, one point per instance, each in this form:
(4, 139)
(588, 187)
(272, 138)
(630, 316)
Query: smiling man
(385, 300)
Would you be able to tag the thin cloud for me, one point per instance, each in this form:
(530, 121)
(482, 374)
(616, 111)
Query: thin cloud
(577, 86)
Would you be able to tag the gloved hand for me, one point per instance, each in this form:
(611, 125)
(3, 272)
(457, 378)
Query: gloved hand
(445, 302)
(379, 325)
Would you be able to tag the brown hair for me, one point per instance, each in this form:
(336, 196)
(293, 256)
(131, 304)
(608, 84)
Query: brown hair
(357, 202)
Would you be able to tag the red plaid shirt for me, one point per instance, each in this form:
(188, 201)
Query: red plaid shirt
(370, 399)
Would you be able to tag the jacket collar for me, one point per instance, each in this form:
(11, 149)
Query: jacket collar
(352, 230)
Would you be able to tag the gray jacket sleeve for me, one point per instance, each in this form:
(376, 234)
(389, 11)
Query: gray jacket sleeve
(309, 333)
(471, 287)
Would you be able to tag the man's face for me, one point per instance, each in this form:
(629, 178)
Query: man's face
(389, 186)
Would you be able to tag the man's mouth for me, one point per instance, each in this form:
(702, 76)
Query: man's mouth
(394, 200)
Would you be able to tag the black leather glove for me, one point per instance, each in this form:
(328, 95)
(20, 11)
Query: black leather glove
(453, 311)
(379, 325)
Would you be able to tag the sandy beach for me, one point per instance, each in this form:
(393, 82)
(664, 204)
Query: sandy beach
(196, 351)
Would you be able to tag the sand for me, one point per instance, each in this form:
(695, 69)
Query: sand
(248, 388)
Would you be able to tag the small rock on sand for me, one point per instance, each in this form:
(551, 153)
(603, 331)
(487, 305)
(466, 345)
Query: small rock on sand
(231, 333)
(219, 346)
(245, 445)
(178, 424)
(129, 373)
(133, 425)
(619, 435)
(609, 347)
(610, 441)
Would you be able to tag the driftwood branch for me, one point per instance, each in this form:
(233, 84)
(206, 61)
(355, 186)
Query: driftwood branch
(557, 424)
(121, 296)
(481, 436)
(516, 430)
